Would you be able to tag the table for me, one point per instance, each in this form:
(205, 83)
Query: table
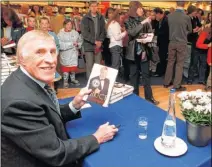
(126, 149)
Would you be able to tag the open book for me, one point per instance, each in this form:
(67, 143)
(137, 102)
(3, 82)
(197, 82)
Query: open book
(145, 37)
(101, 82)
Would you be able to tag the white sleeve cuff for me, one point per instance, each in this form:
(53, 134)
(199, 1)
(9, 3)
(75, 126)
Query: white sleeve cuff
(74, 110)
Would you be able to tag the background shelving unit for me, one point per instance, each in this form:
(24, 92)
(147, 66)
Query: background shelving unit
(123, 6)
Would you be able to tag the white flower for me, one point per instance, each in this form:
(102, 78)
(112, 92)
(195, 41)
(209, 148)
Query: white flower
(183, 95)
(199, 108)
(201, 101)
(205, 112)
(207, 108)
(199, 90)
(196, 94)
(194, 101)
(187, 105)
(208, 94)
(206, 100)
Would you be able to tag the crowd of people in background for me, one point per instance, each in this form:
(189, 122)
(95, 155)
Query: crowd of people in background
(179, 36)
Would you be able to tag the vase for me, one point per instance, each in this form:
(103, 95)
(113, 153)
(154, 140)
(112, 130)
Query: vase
(198, 135)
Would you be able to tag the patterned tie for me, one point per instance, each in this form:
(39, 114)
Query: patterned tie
(52, 95)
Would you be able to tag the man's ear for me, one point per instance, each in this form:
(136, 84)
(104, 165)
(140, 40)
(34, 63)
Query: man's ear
(21, 60)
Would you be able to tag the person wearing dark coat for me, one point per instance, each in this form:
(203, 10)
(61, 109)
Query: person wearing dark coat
(137, 54)
(93, 33)
(196, 56)
(162, 40)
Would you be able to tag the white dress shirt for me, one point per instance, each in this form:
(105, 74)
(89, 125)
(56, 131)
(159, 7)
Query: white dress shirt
(115, 34)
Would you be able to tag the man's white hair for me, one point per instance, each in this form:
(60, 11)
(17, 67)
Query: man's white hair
(29, 38)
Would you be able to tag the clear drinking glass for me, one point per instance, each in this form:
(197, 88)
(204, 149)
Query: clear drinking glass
(142, 127)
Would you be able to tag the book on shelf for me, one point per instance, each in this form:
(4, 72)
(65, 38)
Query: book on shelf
(8, 65)
(5, 73)
(8, 69)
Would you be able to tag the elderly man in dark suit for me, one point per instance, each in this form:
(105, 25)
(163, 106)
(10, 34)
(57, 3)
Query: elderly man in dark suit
(32, 123)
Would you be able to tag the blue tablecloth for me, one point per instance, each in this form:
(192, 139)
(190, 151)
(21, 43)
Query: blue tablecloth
(126, 149)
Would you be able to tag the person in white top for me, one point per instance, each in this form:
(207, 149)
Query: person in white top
(116, 34)
(106, 55)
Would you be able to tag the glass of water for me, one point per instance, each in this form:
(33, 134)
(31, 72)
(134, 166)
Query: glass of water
(142, 127)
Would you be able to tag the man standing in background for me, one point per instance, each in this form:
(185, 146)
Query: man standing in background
(192, 39)
(179, 27)
(44, 26)
(162, 40)
(172, 10)
(93, 32)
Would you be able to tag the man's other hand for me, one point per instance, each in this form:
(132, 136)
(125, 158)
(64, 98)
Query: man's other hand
(105, 133)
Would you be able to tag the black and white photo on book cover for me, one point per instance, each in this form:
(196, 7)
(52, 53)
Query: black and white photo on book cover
(101, 82)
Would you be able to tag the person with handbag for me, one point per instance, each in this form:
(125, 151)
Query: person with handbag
(137, 53)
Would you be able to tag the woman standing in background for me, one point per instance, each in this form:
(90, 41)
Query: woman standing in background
(36, 12)
(204, 44)
(106, 55)
(209, 17)
(137, 55)
(124, 71)
(116, 36)
(70, 42)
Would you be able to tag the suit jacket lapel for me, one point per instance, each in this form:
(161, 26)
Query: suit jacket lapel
(36, 88)
(100, 85)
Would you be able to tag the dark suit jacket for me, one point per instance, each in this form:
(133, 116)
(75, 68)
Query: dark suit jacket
(32, 132)
(163, 34)
(104, 89)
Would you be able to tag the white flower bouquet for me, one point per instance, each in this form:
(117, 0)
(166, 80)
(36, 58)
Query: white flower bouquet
(196, 107)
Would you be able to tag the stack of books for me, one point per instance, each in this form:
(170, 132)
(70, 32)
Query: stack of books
(8, 65)
(120, 91)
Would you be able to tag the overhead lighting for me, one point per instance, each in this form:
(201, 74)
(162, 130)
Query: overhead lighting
(208, 7)
(201, 6)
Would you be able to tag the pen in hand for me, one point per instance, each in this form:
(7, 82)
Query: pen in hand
(117, 126)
